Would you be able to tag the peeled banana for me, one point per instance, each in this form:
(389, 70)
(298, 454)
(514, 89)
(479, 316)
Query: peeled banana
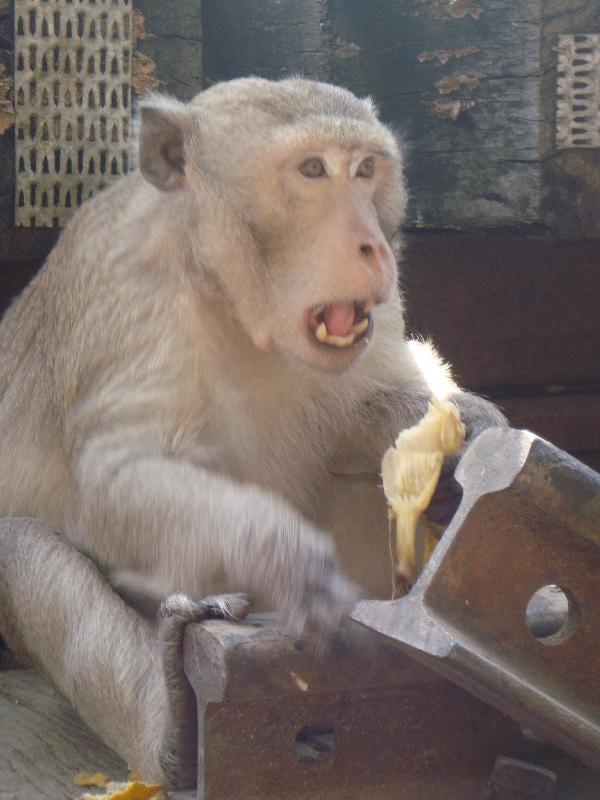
(411, 469)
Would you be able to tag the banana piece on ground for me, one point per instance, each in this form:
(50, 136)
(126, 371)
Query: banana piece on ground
(129, 790)
(98, 779)
(410, 470)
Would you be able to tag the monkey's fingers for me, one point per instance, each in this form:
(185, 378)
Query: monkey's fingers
(402, 586)
(234, 606)
(322, 610)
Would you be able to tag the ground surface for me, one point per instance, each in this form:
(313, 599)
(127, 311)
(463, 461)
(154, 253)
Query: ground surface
(43, 744)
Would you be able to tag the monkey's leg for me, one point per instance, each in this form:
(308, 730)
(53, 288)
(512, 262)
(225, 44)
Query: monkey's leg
(56, 609)
(179, 754)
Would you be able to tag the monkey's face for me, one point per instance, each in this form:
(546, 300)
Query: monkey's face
(306, 184)
(327, 261)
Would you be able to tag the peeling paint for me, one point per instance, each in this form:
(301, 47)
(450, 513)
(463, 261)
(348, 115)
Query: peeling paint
(444, 56)
(451, 109)
(450, 83)
(7, 109)
(462, 8)
(7, 119)
(138, 26)
(346, 49)
(143, 78)
(452, 8)
(143, 67)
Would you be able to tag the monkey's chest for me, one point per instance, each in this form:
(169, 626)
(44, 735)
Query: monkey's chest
(280, 453)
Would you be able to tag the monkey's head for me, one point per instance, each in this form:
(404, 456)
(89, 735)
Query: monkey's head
(294, 191)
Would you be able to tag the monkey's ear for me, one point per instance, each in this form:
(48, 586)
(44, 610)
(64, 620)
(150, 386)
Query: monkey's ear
(163, 125)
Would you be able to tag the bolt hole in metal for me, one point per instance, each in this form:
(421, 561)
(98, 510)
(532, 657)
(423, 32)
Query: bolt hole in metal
(314, 743)
(551, 615)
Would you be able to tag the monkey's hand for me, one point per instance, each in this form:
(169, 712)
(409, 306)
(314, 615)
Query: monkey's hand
(296, 565)
(477, 415)
(196, 530)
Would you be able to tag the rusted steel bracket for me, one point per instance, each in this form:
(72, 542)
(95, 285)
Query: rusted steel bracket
(529, 519)
(518, 780)
(274, 722)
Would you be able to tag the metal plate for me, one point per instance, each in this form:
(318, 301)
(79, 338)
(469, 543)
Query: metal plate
(275, 722)
(529, 519)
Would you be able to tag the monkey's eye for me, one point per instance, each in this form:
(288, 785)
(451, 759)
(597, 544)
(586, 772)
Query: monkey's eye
(366, 168)
(312, 168)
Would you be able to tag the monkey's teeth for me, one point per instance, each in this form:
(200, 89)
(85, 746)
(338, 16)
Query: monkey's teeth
(329, 338)
(340, 341)
(360, 327)
(368, 307)
(321, 332)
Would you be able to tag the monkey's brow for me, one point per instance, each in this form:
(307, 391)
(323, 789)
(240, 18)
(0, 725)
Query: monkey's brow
(381, 152)
(350, 148)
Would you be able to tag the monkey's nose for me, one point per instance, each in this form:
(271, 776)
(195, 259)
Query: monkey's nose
(378, 256)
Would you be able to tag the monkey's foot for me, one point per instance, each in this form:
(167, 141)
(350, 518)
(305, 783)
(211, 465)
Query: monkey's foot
(178, 755)
(177, 610)
(233, 606)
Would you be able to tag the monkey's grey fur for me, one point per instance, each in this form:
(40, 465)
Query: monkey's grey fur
(166, 407)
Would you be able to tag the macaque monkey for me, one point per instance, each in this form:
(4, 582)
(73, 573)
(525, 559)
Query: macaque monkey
(203, 342)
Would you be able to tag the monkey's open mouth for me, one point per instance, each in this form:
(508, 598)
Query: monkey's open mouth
(340, 324)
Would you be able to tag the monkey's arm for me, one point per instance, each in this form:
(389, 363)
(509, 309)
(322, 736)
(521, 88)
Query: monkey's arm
(143, 509)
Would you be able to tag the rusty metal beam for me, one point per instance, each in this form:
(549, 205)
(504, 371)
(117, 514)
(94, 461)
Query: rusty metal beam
(274, 722)
(529, 519)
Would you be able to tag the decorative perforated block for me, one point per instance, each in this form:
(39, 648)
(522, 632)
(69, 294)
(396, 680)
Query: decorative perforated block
(73, 103)
(578, 110)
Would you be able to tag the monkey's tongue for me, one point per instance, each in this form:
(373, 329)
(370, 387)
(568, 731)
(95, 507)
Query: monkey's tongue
(339, 318)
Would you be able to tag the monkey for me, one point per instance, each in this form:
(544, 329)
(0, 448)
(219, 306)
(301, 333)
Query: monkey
(208, 337)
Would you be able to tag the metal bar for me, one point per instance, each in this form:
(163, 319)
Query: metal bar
(274, 722)
(528, 526)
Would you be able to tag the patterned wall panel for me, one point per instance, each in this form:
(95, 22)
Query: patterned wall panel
(73, 103)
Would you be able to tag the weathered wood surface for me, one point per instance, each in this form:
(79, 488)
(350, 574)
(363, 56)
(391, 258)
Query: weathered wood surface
(43, 743)
(509, 312)
(468, 85)
(480, 169)
(271, 39)
(568, 420)
(172, 40)
(15, 275)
